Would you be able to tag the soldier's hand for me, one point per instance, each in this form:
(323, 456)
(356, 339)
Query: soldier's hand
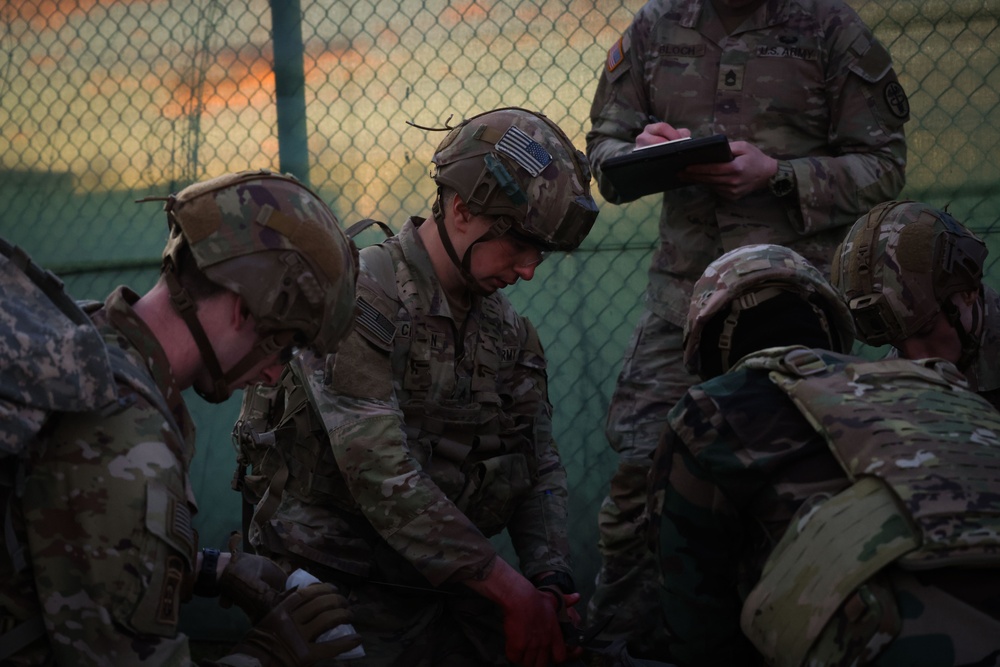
(656, 132)
(534, 632)
(287, 635)
(253, 583)
(749, 171)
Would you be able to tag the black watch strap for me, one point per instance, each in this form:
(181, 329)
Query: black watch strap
(207, 583)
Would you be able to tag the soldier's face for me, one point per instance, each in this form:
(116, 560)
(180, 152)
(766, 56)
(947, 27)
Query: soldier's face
(937, 339)
(233, 337)
(503, 261)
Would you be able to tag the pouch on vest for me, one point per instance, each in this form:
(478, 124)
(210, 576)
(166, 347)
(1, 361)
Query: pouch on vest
(496, 487)
(922, 496)
(823, 558)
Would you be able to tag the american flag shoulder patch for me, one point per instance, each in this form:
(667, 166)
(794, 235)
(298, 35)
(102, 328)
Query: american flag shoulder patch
(524, 150)
(616, 54)
(375, 326)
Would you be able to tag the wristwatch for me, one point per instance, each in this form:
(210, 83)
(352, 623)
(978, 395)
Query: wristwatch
(782, 183)
(207, 583)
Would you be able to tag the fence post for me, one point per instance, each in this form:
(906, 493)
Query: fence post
(290, 87)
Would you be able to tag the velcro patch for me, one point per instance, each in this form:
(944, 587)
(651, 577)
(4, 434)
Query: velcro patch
(682, 50)
(787, 51)
(168, 608)
(375, 326)
(616, 54)
(360, 370)
(896, 100)
(516, 144)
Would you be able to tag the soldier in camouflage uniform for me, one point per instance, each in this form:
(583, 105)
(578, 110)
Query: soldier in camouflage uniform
(99, 550)
(429, 431)
(814, 115)
(813, 508)
(913, 277)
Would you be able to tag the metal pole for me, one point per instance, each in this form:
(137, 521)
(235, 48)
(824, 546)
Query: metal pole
(290, 87)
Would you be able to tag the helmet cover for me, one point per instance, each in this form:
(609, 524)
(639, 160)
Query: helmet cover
(746, 276)
(898, 265)
(274, 242)
(519, 166)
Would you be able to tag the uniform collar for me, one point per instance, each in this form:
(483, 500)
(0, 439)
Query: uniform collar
(133, 335)
(427, 286)
(701, 15)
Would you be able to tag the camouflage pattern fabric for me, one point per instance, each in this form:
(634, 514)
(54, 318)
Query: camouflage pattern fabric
(410, 456)
(737, 466)
(912, 424)
(535, 179)
(793, 75)
(106, 517)
(652, 379)
(756, 273)
(898, 265)
(294, 266)
(983, 375)
(51, 355)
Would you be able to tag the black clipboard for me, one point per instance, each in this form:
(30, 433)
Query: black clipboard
(654, 168)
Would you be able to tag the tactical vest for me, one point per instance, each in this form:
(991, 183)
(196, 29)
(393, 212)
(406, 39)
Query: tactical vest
(924, 455)
(472, 449)
(469, 432)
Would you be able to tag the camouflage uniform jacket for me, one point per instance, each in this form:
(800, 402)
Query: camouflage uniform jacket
(106, 516)
(430, 436)
(803, 80)
(717, 463)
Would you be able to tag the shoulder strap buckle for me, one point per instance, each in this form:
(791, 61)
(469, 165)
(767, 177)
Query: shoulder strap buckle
(803, 362)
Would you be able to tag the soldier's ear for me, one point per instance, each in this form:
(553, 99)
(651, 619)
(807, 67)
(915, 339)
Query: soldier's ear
(459, 211)
(240, 315)
(970, 297)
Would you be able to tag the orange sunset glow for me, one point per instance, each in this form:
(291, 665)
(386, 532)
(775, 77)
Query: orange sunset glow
(130, 94)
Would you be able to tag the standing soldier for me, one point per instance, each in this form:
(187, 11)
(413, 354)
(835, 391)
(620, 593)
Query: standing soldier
(97, 442)
(913, 278)
(429, 431)
(814, 115)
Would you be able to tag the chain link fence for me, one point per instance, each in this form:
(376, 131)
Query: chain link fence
(104, 102)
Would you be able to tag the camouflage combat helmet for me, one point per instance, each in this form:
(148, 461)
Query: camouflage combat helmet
(898, 266)
(749, 275)
(274, 242)
(518, 166)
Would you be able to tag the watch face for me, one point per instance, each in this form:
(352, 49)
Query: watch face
(781, 186)
(781, 183)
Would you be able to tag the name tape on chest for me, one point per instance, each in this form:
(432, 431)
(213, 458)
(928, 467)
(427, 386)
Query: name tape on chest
(781, 51)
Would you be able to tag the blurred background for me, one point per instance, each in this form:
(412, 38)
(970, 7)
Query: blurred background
(107, 101)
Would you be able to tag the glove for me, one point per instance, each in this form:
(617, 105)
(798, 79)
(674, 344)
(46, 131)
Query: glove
(253, 583)
(286, 636)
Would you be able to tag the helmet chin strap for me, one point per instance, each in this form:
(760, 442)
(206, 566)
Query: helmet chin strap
(464, 265)
(968, 338)
(186, 307)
